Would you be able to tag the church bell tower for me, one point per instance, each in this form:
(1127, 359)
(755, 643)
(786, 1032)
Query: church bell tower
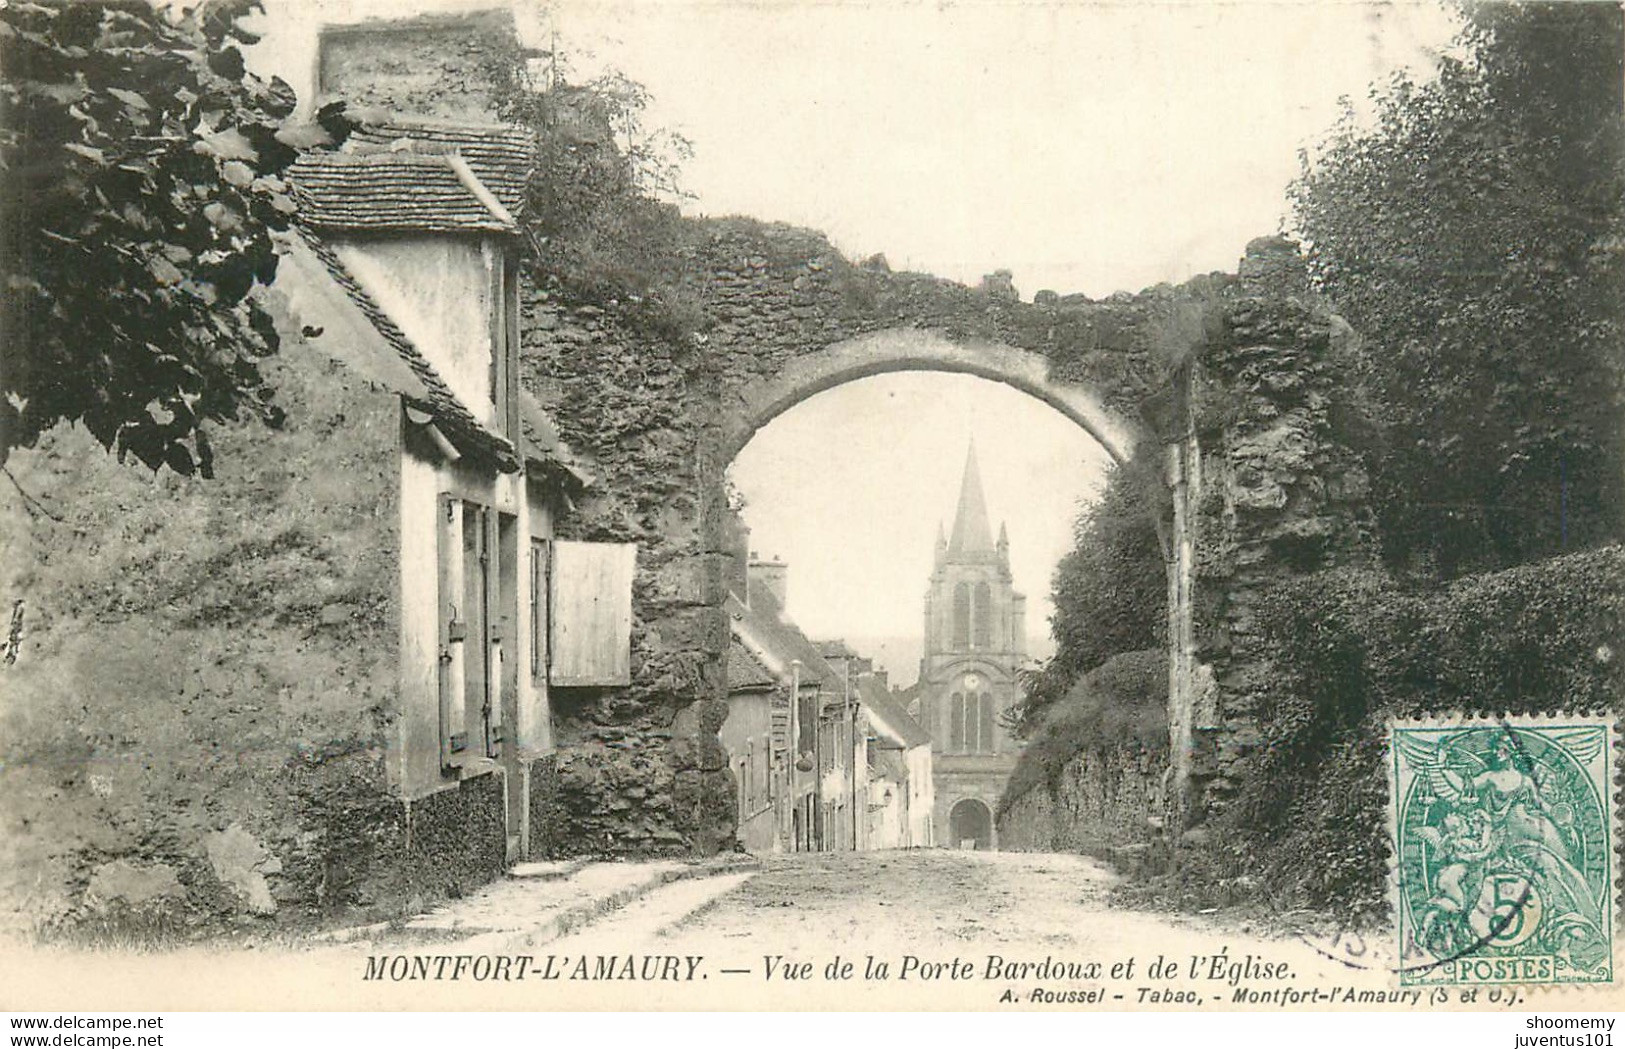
(975, 638)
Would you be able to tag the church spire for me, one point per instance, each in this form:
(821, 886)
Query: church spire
(971, 533)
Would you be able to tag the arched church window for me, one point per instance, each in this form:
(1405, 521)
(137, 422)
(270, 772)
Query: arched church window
(982, 616)
(961, 615)
(956, 722)
(985, 744)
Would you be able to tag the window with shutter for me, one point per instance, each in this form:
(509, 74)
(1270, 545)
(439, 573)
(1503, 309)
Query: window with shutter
(476, 612)
(479, 605)
(453, 632)
(956, 723)
(591, 613)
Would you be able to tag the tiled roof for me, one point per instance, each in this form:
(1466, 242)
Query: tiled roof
(745, 671)
(501, 156)
(454, 420)
(879, 699)
(394, 192)
(765, 624)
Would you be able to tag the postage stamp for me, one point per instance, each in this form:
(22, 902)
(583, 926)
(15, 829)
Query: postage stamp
(1504, 834)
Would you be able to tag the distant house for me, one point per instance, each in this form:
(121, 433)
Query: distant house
(824, 758)
(755, 740)
(816, 761)
(900, 791)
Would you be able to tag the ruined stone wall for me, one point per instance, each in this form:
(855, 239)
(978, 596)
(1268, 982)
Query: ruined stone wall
(438, 67)
(639, 768)
(1267, 488)
(193, 734)
(773, 293)
(1101, 801)
(1279, 493)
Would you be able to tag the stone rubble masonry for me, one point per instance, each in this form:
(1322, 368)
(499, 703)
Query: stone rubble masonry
(1102, 801)
(639, 768)
(1282, 496)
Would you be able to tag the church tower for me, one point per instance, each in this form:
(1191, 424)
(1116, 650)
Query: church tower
(975, 638)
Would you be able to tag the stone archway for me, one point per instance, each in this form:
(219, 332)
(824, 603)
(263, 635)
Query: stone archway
(756, 401)
(970, 825)
(1233, 409)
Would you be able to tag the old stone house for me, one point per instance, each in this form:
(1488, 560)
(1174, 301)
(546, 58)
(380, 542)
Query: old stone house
(320, 683)
(902, 790)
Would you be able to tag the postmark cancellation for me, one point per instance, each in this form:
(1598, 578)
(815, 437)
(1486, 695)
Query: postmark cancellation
(1504, 834)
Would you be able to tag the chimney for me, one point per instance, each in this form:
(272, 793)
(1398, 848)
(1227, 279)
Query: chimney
(430, 67)
(769, 576)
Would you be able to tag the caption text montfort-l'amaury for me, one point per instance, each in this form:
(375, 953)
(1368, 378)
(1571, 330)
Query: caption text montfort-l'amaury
(774, 967)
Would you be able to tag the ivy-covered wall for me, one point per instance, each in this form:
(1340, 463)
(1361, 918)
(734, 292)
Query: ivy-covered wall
(1345, 651)
(1095, 777)
(1278, 493)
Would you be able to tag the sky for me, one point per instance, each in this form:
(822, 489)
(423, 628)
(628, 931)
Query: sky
(1084, 146)
(849, 487)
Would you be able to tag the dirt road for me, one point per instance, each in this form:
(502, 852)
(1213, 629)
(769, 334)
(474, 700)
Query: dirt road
(883, 930)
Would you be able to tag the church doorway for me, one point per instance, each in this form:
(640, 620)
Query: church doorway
(970, 825)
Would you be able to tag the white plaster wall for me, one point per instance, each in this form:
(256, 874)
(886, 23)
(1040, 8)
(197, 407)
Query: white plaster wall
(439, 290)
(922, 796)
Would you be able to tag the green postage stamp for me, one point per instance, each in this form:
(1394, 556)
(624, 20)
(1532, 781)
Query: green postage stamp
(1504, 835)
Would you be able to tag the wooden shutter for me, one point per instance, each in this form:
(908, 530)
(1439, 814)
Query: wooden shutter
(453, 629)
(591, 585)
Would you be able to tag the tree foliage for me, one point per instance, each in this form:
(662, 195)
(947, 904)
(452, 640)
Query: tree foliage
(1123, 703)
(604, 229)
(1110, 592)
(138, 189)
(1474, 236)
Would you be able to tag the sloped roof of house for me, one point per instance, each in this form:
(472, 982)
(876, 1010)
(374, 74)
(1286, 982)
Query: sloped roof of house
(410, 178)
(501, 156)
(395, 191)
(878, 698)
(745, 672)
(433, 395)
(763, 624)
